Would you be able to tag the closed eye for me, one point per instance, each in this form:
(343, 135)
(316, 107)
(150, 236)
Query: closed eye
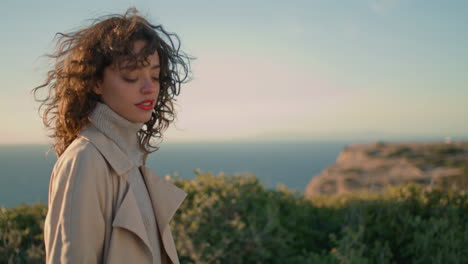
(130, 80)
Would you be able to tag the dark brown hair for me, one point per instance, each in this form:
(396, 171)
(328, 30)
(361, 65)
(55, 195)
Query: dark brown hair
(79, 61)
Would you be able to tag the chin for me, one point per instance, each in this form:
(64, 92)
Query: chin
(139, 119)
(144, 120)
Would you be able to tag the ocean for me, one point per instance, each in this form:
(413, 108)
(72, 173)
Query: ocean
(25, 169)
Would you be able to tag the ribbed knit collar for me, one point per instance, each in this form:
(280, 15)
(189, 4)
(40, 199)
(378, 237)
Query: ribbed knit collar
(119, 130)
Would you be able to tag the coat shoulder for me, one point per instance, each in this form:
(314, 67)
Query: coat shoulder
(79, 205)
(81, 150)
(83, 161)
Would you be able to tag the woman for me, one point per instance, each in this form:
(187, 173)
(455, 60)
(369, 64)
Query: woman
(110, 92)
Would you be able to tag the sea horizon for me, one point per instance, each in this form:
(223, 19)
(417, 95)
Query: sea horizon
(26, 168)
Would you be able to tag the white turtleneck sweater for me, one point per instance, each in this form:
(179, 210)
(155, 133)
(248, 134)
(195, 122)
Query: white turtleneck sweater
(124, 134)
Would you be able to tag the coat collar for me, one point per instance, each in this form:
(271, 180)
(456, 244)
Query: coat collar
(117, 159)
(165, 197)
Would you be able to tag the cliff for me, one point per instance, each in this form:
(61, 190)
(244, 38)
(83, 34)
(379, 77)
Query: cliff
(373, 166)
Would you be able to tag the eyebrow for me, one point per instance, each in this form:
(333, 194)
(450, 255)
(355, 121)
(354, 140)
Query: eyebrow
(131, 68)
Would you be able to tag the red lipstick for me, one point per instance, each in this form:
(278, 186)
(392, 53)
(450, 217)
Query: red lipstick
(146, 105)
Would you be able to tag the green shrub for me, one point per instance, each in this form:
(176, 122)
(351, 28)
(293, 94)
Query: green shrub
(21, 234)
(234, 219)
(393, 227)
(405, 225)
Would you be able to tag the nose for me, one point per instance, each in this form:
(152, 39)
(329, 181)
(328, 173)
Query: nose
(150, 86)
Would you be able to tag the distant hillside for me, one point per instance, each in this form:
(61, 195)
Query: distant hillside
(370, 167)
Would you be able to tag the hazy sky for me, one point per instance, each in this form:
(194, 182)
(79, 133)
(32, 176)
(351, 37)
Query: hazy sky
(273, 69)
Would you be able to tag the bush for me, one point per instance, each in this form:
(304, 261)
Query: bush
(234, 219)
(406, 224)
(21, 234)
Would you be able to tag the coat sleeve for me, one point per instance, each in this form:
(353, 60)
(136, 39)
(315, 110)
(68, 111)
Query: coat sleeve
(74, 230)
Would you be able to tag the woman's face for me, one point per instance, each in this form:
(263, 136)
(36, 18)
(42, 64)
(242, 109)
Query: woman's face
(131, 93)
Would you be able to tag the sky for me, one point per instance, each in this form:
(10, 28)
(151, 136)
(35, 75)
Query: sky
(273, 70)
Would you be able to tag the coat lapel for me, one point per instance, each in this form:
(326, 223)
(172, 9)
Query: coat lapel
(118, 160)
(166, 199)
(128, 216)
(165, 196)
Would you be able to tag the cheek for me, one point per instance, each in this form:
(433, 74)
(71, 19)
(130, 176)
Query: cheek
(116, 91)
(120, 87)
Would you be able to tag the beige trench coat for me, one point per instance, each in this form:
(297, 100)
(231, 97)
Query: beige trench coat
(93, 216)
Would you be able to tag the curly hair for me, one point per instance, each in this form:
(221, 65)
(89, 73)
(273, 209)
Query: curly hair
(79, 62)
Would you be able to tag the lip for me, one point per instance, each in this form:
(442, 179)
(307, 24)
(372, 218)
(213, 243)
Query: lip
(146, 105)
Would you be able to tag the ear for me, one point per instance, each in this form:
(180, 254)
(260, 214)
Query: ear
(98, 88)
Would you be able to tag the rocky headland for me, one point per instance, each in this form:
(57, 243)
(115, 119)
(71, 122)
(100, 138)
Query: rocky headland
(373, 166)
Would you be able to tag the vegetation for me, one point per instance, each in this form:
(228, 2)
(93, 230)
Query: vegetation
(234, 219)
(428, 157)
(21, 234)
(432, 155)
